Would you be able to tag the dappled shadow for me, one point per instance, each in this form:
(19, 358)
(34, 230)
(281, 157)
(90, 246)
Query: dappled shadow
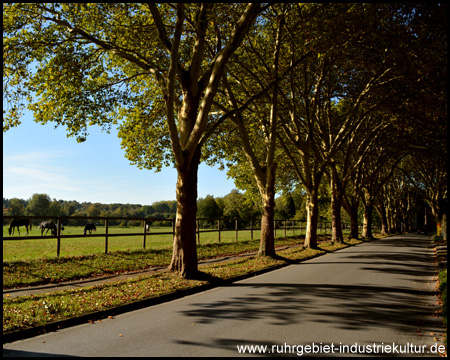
(406, 240)
(415, 261)
(355, 307)
(358, 306)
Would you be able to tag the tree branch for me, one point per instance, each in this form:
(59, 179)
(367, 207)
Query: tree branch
(170, 94)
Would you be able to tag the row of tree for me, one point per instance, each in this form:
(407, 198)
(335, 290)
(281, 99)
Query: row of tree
(43, 205)
(290, 96)
(235, 205)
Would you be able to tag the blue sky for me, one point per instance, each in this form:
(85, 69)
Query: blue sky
(41, 159)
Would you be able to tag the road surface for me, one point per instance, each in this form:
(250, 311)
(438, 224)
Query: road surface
(375, 298)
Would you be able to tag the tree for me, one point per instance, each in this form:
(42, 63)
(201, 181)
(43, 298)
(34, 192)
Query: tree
(237, 206)
(285, 207)
(156, 66)
(38, 205)
(68, 208)
(161, 207)
(378, 169)
(255, 76)
(208, 208)
(54, 209)
(16, 207)
(427, 172)
(422, 118)
(93, 210)
(313, 130)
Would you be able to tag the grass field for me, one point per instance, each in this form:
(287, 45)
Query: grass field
(15, 250)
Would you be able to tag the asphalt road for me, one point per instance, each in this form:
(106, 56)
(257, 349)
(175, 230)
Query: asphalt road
(374, 297)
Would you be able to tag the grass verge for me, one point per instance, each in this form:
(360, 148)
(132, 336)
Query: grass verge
(38, 310)
(56, 270)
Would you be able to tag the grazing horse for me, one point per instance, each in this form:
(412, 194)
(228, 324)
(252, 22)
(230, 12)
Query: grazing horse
(89, 227)
(49, 225)
(19, 222)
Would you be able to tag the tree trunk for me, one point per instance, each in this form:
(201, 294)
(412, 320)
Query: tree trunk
(184, 257)
(267, 243)
(368, 212)
(381, 210)
(384, 222)
(353, 213)
(336, 204)
(312, 214)
(390, 218)
(336, 222)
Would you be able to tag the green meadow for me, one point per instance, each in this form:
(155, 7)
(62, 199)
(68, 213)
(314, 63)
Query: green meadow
(45, 248)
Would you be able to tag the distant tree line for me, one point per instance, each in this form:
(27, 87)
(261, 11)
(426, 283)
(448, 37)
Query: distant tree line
(43, 205)
(233, 205)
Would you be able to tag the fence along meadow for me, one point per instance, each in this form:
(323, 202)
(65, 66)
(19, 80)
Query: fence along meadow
(108, 228)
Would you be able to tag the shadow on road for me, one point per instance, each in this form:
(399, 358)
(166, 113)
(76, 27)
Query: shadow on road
(356, 307)
(352, 307)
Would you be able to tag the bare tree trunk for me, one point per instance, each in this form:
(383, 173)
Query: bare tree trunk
(353, 213)
(312, 215)
(390, 218)
(384, 222)
(380, 207)
(336, 222)
(267, 243)
(368, 212)
(336, 204)
(184, 257)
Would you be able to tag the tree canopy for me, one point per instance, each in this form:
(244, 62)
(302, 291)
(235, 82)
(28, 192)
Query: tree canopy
(294, 92)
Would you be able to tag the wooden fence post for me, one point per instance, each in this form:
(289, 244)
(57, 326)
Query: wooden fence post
(106, 235)
(236, 229)
(145, 232)
(58, 239)
(219, 228)
(198, 232)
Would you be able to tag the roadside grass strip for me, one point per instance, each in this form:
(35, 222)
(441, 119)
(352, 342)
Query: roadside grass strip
(36, 310)
(57, 270)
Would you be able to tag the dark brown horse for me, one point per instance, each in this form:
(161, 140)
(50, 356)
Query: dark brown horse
(19, 222)
(89, 227)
